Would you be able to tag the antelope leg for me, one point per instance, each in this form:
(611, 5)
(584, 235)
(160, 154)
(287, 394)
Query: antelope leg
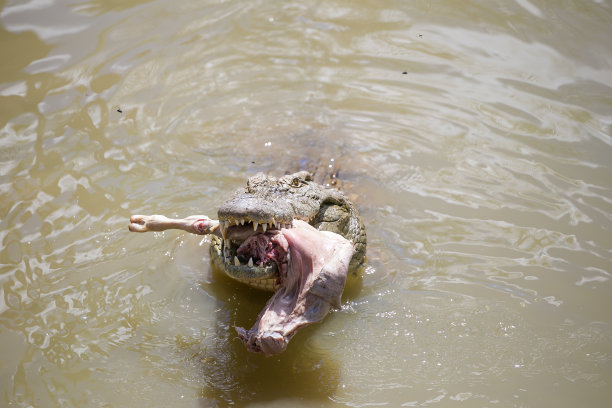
(195, 224)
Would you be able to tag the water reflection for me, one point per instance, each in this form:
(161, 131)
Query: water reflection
(232, 376)
(99, 7)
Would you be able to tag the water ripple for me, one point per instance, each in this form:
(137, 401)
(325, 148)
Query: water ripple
(475, 141)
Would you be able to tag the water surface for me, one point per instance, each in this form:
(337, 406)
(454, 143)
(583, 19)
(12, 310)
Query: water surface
(474, 137)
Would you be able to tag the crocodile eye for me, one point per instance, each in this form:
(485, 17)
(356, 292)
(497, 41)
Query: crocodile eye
(295, 182)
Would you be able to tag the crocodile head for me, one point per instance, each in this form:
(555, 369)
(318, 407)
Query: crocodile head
(252, 216)
(296, 237)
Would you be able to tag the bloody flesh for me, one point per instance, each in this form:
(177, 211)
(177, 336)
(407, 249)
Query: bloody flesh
(311, 283)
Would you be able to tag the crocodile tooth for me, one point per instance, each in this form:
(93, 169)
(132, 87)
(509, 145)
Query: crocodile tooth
(223, 229)
(250, 264)
(264, 226)
(273, 223)
(236, 261)
(255, 225)
(242, 221)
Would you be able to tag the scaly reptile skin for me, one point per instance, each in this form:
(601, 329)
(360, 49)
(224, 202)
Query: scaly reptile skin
(268, 203)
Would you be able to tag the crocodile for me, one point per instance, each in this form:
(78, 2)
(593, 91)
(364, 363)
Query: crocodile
(289, 235)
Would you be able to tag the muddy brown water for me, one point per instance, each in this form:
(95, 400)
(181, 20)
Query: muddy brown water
(475, 138)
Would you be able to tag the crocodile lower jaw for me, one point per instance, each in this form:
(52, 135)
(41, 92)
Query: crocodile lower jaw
(253, 272)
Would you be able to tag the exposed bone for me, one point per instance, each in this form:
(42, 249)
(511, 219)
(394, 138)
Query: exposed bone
(195, 224)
